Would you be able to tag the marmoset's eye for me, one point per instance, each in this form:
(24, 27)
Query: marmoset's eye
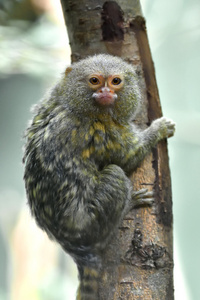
(116, 81)
(94, 80)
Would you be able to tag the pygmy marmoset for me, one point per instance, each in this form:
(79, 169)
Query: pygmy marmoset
(80, 148)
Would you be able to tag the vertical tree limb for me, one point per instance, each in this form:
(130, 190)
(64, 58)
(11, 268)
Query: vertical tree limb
(138, 263)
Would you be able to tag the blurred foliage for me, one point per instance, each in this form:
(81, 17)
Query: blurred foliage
(26, 10)
(30, 44)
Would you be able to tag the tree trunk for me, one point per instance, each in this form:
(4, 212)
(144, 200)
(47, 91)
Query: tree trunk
(138, 263)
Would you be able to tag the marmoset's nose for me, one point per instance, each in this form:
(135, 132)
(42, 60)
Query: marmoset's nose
(105, 89)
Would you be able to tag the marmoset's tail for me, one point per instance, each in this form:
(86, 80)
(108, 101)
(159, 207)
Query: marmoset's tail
(89, 283)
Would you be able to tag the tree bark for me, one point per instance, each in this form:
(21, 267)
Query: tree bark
(138, 263)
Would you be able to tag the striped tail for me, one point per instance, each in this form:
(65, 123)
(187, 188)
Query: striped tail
(89, 283)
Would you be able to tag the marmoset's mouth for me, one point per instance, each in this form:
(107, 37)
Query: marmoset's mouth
(105, 98)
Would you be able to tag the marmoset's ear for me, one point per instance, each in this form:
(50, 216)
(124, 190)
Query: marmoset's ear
(68, 70)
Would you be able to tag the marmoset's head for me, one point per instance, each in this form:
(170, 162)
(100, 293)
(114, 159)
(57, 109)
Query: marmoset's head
(101, 84)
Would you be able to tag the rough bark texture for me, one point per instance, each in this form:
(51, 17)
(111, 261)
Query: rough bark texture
(138, 263)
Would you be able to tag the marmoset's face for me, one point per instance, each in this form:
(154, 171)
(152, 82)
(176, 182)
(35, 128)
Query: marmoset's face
(105, 88)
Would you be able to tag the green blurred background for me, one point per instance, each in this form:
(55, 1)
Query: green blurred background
(34, 51)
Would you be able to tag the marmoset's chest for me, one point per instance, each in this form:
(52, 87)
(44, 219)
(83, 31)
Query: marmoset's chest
(102, 141)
